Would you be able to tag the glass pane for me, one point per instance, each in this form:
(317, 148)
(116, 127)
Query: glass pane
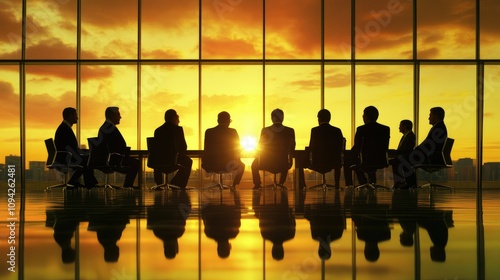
(55, 35)
(338, 97)
(446, 31)
(104, 86)
(105, 36)
(293, 31)
(383, 29)
(236, 89)
(452, 87)
(295, 89)
(232, 29)
(337, 28)
(169, 29)
(490, 45)
(49, 89)
(170, 87)
(9, 114)
(390, 89)
(11, 23)
(491, 140)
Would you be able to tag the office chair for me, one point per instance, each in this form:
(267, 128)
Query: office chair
(327, 157)
(60, 161)
(101, 159)
(443, 161)
(162, 158)
(373, 158)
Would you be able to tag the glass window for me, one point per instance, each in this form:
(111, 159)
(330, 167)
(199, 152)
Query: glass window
(9, 111)
(383, 29)
(232, 29)
(169, 29)
(293, 31)
(337, 29)
(11, 23)
(338, 97)
(103, 86)
(106, 36)
(491, 140)
(54, 34)
(445, 30)
(489, 22)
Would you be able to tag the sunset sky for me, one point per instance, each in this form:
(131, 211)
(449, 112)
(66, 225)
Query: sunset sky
(234, 30)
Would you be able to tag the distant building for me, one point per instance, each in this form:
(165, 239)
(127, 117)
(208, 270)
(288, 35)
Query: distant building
(491, 171)
(464, 170)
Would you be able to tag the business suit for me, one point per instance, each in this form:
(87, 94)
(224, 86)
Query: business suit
(371, 142)
(222, 151)
(169, 134)
(276, 144)
(111, 136)
(405, 147)
(432, 145)
(325, 146)
(65, 140)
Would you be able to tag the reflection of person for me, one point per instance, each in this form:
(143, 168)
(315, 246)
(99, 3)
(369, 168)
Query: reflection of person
(405, 147)
(276, 221)
(371, 222)
(325, 146)
(222, 149)
(372, 142)
(276, 144)
(429, 150)
(65, 140)
(112, 137)
(222, 222)
(169, 132)
(167, 218)
(64, 219)
(327, 224)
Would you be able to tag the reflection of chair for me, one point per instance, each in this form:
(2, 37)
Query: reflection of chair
(101, 159)
(60, 161)
(373, 159)
(162, 158)
(219, 160)
(443, 162)
(327, 157)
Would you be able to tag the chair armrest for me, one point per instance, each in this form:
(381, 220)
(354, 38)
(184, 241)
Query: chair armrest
(115, 159)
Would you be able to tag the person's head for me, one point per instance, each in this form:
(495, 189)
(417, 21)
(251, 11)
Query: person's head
(436, 115)
(223, 118)
(223, 249)
(69, 114)
(68, 255)
(324, 116)
(324, 252)
(370, 114)
(372, 252)
(111, 253)
(438, 253)
(170, 248)
(278, 252)
(405, 126)
(277, 116)
(113, 115)
(406, 239)
(172, 117)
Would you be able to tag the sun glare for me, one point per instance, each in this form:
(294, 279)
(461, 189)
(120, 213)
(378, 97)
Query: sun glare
(248, 143)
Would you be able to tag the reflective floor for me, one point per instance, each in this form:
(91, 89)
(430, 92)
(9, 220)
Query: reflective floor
(246, 234)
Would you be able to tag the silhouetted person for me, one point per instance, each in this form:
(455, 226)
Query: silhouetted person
(65, 140)
(276, 145)
(276, 220)
(170, 132)
(327, 222)
(371, 141)
(405, 210)
(167, 218)
(402, 153)
(222, 221)
(325, 148)
(222, 149)
(429, 151)
(371, 222)
(64, 218)
(110, 136)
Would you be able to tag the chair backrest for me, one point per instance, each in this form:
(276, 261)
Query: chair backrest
(160, 155)
(51, 151)
(375, 155)
(99, 154)
(328, 152)
(448, 145)
(220, 153)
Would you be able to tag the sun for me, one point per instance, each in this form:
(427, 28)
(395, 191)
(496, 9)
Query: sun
(249, 144)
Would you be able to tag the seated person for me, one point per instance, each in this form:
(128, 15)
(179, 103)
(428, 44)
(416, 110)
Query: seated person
(222, 149)
(371, 142)
(405, 147)
(171, 132)
(325, 147)
(113, 139)
(276, 144)
(65, 140)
